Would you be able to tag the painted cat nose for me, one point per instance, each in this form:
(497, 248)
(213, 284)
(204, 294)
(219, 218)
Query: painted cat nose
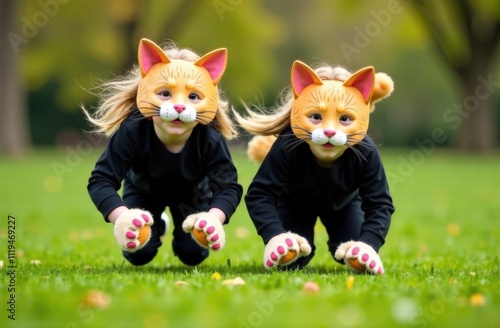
(329, 133)
(179, 108)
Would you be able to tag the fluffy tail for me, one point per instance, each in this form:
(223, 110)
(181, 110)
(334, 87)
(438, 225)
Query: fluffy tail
(384, 86)
(258, 147)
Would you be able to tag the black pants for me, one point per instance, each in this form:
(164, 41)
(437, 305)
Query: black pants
(341, 225)
(184, 247)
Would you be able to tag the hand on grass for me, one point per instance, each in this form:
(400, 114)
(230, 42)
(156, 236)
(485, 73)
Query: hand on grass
(284, 249)
(206, 229)
(359, 257)
(133, 229)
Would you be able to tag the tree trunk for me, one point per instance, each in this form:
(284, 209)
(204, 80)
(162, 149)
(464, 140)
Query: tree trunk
(477, 131)
(14, 130)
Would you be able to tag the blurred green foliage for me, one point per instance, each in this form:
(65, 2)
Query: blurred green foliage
(85, 42)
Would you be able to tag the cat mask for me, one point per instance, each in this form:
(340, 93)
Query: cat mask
(177, 89)
(330, 115)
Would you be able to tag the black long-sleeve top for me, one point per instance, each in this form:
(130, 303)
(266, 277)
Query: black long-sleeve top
(136, 155)
(294, 171)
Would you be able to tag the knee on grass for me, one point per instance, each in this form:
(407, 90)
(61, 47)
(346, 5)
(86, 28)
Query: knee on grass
(140, 258)
(188, 251)
(192, 257)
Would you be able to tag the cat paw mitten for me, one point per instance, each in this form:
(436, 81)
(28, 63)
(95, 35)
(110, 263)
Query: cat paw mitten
(133, 229)
(284, 249)
(359, 257)
(206, 230)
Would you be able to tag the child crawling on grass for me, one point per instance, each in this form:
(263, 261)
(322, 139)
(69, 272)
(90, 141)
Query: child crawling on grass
(318, 161)
(167, 122)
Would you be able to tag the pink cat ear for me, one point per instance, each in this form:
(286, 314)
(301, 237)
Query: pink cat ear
(215, 63)
(364, 81)
(149, 55)
(303, 76)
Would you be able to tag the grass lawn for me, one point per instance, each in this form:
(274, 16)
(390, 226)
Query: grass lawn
(441, 257)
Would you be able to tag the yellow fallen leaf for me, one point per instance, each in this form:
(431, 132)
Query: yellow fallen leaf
(87, 234)
(350, 282)
(242, 233)
(181, 283)
(238, 281)
(477, 299)
(453, 229)
(96, 299)
(216, 276)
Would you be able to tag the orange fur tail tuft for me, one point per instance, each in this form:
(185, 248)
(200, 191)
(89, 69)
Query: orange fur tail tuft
(258, 147)
(383, 88)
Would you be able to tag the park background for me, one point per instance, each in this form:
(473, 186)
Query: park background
(438, 53)
(438, 134)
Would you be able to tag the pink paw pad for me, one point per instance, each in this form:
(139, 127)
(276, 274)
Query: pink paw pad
(202, 224)
(289, 242)
(372, 264)
(210, 229)
(365, 257)
(145, 217)
(137, 223)
(269, 263)
(131, 244)
(274, 257)
(380, 271)
(215, 237)
(281, 249)
(355, 251)
(130, 235)
(216, 246)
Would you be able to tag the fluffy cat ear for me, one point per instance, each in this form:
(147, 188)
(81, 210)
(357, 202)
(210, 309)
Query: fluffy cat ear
(302, 76)
(364, 81)
(149, 55)
(215, 63)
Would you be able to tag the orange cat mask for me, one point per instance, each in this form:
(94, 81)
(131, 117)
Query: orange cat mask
(179, 90)
(330, 115)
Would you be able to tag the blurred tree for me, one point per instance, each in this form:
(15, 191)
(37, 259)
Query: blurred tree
(246, 28)
(126, 14)
(81, 43)
(385, 34)
(14, 135)
(466, 35)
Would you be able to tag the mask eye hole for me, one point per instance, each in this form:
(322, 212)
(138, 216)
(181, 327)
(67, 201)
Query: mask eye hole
(315, 118)
(164, 94)
(194, 97)
(345, 120)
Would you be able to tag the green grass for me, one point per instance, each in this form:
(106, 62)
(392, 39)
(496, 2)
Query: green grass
(441, 256)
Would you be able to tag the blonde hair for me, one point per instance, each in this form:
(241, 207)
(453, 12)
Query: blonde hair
(260, 123)
(117, 99)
